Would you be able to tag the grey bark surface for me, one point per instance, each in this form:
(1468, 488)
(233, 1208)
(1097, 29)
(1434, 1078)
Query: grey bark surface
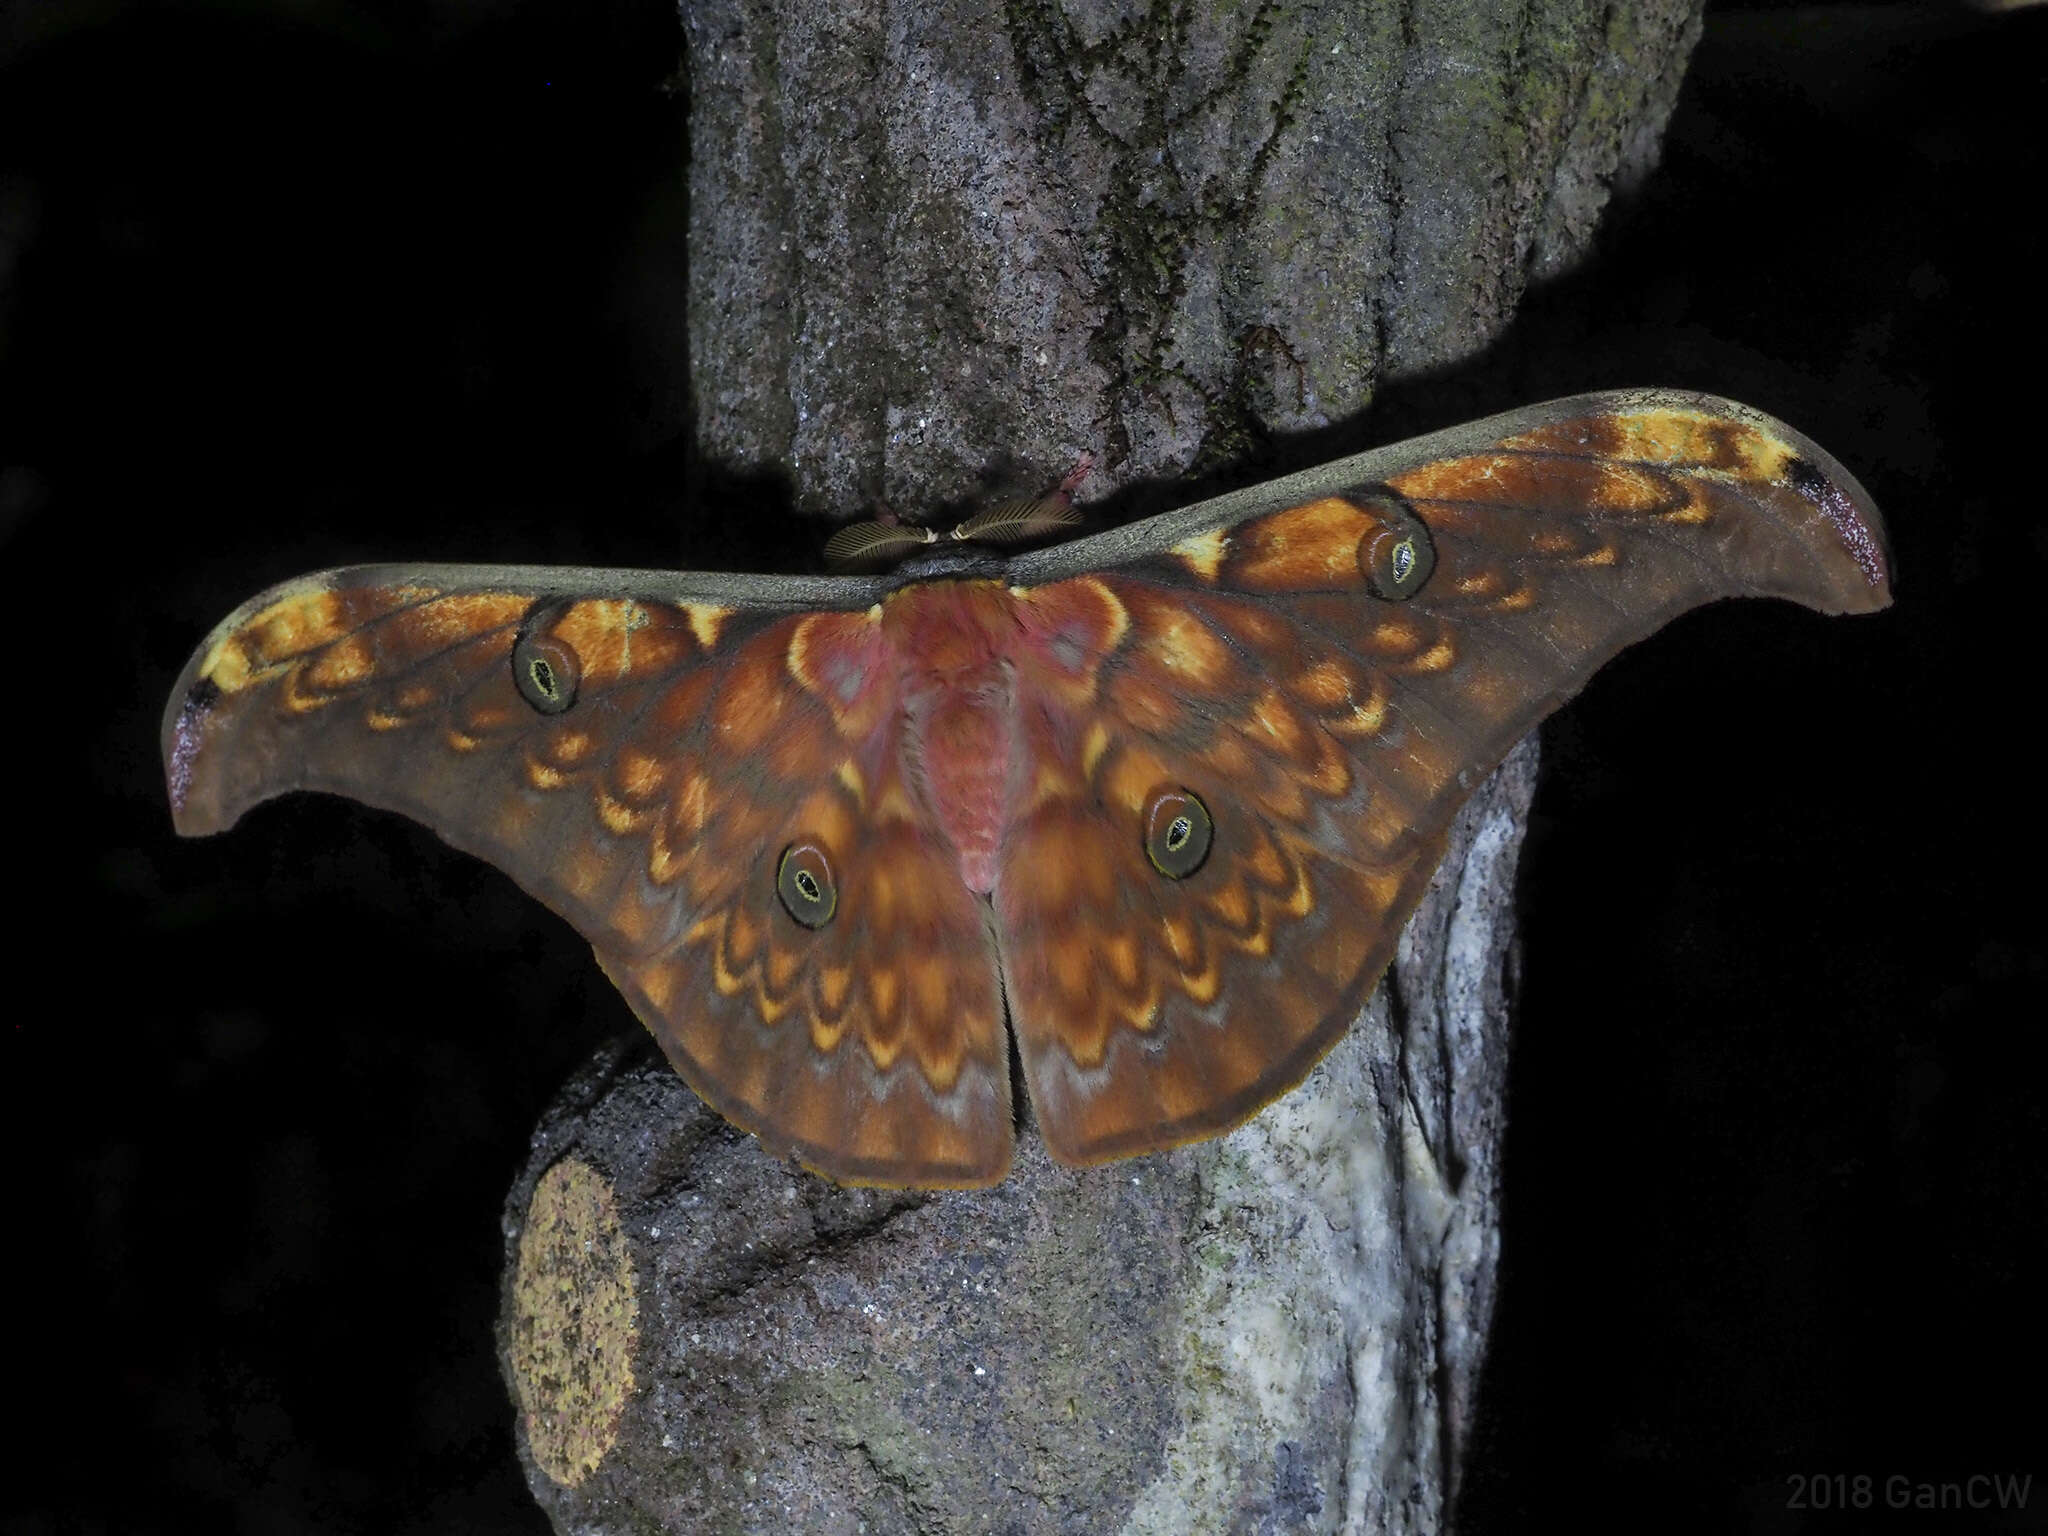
(932, 246)
(928, 240)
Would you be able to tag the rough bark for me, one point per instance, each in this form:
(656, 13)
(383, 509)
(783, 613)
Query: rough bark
(930, 248)
(927, 240)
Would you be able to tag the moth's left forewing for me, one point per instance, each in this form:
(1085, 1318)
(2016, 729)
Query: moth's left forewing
(1330, 664)
(640, 750)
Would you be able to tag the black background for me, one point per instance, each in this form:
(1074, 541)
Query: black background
(285, 286)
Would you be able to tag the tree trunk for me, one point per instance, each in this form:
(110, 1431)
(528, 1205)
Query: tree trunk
(931, 249)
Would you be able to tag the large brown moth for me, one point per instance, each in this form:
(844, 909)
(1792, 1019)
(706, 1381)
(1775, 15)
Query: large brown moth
(1152, 804)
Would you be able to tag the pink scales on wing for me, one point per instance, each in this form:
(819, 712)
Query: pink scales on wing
(977, 683)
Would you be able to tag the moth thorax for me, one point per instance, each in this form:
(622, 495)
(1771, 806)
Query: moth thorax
(966, 561)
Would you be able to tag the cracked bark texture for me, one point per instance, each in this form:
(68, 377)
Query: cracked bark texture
(930, 240)
(932, 246)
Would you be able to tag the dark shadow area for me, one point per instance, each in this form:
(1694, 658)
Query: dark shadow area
(279, 293)
(1773, 1116)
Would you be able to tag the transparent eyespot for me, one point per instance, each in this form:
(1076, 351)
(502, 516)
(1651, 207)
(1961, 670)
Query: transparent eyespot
(803, 880)
(1403, 560)
(1178, 832)
(546, 670)
(1397, 557)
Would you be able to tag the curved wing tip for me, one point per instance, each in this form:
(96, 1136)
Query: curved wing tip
(1820, 480)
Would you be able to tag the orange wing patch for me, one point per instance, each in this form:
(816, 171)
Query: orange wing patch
(1306, 548)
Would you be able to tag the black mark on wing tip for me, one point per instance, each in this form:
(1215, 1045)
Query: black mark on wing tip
(1806, 478)
(1862, 536)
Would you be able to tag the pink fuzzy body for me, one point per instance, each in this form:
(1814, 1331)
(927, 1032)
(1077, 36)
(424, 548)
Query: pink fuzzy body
(977, 669)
